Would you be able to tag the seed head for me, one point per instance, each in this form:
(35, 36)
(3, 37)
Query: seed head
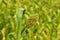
(31, 20)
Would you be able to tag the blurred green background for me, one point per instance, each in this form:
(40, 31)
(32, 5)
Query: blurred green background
(41, 20)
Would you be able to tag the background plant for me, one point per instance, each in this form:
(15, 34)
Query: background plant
(47, 25)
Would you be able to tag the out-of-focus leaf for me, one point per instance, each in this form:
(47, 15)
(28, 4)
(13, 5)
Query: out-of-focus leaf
(1, 35)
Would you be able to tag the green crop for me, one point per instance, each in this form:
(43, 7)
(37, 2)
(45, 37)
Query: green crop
(29, 19)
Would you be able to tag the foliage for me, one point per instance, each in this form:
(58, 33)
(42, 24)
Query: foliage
(44, 26)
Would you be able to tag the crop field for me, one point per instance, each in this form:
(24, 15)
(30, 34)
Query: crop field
(29, 19)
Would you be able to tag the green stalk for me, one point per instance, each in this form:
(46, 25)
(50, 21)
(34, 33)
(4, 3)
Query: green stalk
(19, 15)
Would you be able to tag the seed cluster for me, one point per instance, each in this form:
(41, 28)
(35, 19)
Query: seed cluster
(31, 20)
